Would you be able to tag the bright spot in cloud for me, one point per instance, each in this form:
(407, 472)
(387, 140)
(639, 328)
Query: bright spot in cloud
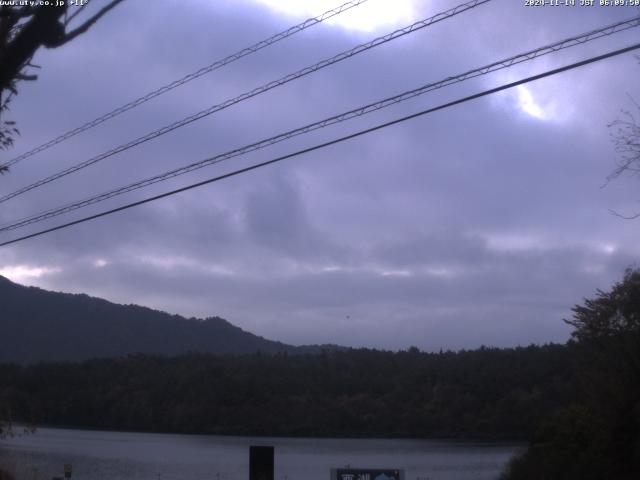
(167, 262)
(220, 270)
(444, 272)
(99, 263)
(548, 101)
(396, 273)
(513, 242)
(181, 262)
(608, 248)
(331, 268)
(528, 104)
(23, 273)
(367, 17)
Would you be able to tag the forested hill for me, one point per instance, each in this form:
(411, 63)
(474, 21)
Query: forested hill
(38, 325)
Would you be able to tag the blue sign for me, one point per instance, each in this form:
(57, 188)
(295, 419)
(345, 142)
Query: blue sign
(368, 474)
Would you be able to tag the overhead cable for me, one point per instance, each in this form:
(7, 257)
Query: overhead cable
(250, 94)
(505, 63)
(332, 142)
(187, 78)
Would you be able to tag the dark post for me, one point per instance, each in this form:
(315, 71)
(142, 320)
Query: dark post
(260, 463)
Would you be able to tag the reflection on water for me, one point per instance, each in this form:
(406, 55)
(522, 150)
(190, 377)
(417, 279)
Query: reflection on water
(141, 456)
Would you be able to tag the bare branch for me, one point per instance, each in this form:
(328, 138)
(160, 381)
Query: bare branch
(15, 15)
(633, 100)
(626, 217)
(24, 11)
(22, 76)
(74, 14)
(626, 140)
(86, 25)
(23, 30)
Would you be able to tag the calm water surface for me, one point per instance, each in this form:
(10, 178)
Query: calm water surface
(99, 455)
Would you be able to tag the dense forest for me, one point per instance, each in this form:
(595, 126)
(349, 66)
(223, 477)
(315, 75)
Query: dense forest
(487, 393)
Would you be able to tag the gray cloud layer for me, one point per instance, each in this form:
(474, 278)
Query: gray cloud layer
(481, 224)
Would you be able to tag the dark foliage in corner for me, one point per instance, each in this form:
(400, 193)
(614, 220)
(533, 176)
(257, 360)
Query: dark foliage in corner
(23, 30)
(596, 436)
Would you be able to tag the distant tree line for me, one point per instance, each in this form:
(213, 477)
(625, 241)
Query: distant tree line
(486, 393)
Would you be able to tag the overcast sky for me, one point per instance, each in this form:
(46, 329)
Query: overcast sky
(480, 224)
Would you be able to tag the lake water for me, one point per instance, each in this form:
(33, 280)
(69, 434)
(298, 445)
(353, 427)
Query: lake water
(99, 455)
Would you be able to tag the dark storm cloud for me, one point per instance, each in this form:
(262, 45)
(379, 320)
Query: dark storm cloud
(481, 224)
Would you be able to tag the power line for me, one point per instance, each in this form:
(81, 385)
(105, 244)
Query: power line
(310, 22)
(252, 93)
(522, 57)
(333, 142)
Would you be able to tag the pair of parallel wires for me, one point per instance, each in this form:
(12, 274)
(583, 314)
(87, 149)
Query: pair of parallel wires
(243, 97)
(505, 63)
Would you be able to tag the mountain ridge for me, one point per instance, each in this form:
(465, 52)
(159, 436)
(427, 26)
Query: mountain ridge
(39, 325)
